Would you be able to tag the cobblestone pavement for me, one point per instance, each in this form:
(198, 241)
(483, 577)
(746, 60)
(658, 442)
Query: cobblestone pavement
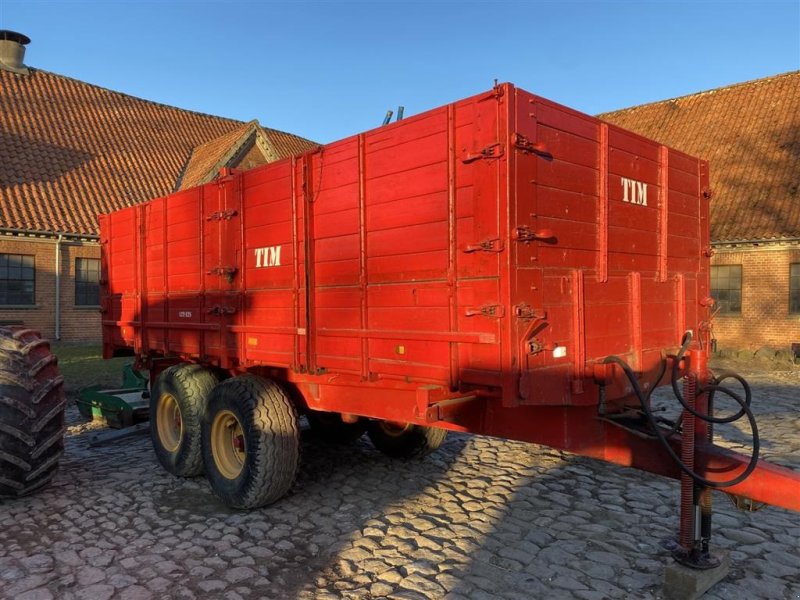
(481, 518)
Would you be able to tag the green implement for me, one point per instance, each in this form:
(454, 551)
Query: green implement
(120, 407)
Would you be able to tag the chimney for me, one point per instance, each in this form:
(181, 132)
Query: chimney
(12, 51)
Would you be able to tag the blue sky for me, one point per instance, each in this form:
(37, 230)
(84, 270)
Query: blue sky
(326, 70)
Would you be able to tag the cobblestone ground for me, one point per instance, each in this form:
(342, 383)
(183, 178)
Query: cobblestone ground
(481, 518)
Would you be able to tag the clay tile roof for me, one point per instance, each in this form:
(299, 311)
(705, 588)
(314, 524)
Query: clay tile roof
(208, 158)
(205, 157)
(750, 134)
(286, 144)
(70, 150)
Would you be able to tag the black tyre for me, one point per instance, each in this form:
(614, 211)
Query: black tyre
(178, 401)
(329, 427)
(405, 440)
(251, 442)
(31, 412)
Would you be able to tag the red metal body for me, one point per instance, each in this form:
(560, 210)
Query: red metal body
(466, 268)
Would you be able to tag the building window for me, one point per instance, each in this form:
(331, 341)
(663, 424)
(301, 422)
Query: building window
(17, 279)
(87, 282)
(726, 288)
(794, 288)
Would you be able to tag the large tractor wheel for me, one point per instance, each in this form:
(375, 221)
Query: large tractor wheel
(177, 403)
(329, 427)
(31, 412)
(251, 442)
(405, 440)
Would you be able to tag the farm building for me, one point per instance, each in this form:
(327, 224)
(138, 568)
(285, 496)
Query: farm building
(750, 134)
(70, 150)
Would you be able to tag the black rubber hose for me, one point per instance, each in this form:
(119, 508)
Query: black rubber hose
(711, 388)
(643, 400)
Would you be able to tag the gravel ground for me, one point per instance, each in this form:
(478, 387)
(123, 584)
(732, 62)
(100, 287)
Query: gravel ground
(480, 518)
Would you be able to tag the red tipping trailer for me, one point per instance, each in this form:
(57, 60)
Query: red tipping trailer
(502, 265)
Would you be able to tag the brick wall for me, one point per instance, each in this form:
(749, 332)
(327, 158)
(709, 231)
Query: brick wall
(78, 323)
(765, 320)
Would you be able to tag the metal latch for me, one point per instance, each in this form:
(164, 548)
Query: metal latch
(535, 346)
(222, 215)
(221, 310)
(525, 234)
(526, 145)
(491, 245)
(492, 151)
(524, 311)
(228, 272)
(487, 310)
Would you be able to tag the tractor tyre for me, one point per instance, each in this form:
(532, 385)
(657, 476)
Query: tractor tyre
(329, 427)
(178, 401)
(31, 412)
(251, 442)
(405, 440)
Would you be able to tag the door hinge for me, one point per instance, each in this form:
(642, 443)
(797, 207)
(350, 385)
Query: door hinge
(530, 147)
(228, 272)
(487, 310)
(221, 310)
(493, 151)
(222, 215)
(490, 245)
(525, 234)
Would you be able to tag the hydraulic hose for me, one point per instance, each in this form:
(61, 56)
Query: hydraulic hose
(710, 388)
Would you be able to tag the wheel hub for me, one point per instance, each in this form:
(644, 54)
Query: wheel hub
(169, 423)
(228, 444)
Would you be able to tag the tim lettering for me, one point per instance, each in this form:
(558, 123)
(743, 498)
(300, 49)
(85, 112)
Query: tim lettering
(268, 257)
(634, 192)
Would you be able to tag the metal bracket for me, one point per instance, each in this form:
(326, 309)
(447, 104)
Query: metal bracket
(490, 245)
(529, 147)
(487, 310)
(222, 215)
(228, 272)
(221, 310)
(493, 151)
(225, 174)
(524, 311)
(525, 234)
(535, 346)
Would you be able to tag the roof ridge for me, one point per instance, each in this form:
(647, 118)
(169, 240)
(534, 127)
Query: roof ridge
(145, 100)
(724, 88)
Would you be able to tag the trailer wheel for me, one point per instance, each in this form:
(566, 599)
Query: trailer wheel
(405, 440)
(31, 412)
(178, 401)
(329, 427)
(251, 442)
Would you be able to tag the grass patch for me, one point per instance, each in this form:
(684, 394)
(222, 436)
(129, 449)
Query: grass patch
(83, 366)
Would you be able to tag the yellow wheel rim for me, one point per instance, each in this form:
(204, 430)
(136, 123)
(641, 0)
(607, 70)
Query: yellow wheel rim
(169, 422)
(227, 444)
(394, 429)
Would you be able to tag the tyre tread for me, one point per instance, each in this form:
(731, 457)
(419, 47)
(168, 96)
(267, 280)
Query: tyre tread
(32, 407)
(273, 441)
(191, 384)
(414, 443)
